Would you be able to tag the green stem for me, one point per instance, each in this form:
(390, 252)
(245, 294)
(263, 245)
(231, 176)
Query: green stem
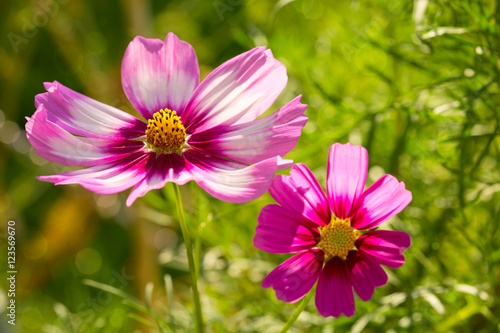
(298, 311)
(200, 328)
(197, 241)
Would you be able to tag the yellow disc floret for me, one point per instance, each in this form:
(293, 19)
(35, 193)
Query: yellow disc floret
(165, 131)
(337, 238)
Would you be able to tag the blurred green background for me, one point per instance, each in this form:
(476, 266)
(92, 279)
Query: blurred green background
(415, 82)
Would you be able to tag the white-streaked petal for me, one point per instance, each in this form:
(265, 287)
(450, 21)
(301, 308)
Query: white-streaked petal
(82, 115)
(231, 181)
(107, 178)
(236, 92)
(158, 75)
(165, 168)
(57, 145)
(256, 140)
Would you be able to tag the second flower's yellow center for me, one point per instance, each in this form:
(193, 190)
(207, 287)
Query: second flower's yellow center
(337, 238)
(165, 131)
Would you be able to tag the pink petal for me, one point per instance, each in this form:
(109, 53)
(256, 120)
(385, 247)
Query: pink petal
(334, 291)
(384, 247)
(165, 168)
(381, 201)
(236, 92)
(365, 274)
(231, 181)
(158, 75)
(284, 164)
(107, 178)
(256, 140)
(300, 192)
(281, 230)
(81, 115)
(346, 177)
(57, 145)
(295, 277)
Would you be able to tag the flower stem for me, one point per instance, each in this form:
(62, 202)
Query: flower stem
(298, 311)
(200, 328)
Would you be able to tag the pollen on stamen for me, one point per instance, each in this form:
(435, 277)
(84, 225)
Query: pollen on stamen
(337, 238)
(165, 131)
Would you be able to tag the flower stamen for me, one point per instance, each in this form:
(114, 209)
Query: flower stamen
(337, 238)
(165, 131)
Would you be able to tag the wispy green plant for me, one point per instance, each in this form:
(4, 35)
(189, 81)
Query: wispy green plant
(415, 82)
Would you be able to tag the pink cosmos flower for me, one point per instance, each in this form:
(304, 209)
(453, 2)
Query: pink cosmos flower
(206, 132)
(323, 230)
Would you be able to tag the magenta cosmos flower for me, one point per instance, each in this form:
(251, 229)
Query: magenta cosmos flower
(206, 132)
(323, 230)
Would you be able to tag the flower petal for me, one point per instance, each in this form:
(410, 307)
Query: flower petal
(236, 92)
(381, 201)
(281, 230)
(107, 178)
(346, 177)
(82, 115)
(296, 276)
(165, 168)
(334, 291)
(256, 140)
(231, 181)
(284, 164)
(158, 75)
(300, 192)
(365, 274)
(57, 145)
(384, 247)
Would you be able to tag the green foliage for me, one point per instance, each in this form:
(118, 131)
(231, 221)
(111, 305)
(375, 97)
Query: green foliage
(415, 82)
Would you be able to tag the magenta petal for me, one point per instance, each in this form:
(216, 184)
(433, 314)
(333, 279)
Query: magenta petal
(231, 181)
(107, 178)
(334, 294)
(165, 168)
(301, 192)
(57, 145)
(158, 75)
(381, 201)
(81, 115)
(384, 247)
(238, 91)
(281, 230)
(256, 140)
(296, 276)
(365, 274)
(346, 177)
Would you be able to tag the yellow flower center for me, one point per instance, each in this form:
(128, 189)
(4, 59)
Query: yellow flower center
(337, 238)
(165, 131)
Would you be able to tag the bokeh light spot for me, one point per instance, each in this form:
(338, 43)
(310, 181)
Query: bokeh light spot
(165, 239)
(95, 43)
(118, 318)
(36, 249)
(88, 261)
(31, 318)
